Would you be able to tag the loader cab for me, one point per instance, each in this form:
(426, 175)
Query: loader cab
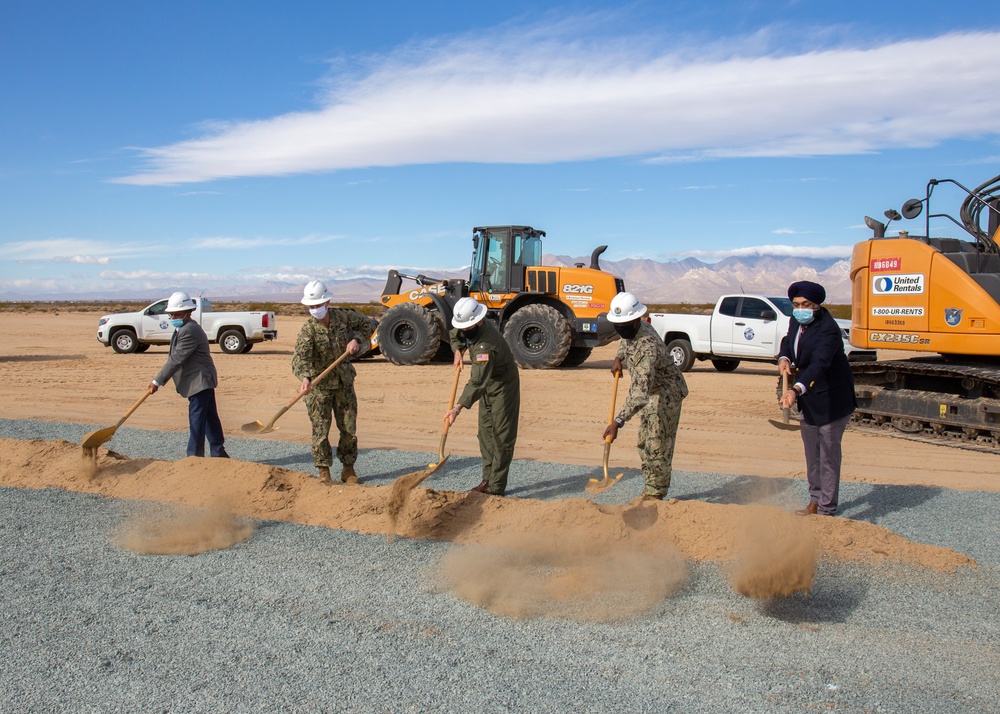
(500, 255)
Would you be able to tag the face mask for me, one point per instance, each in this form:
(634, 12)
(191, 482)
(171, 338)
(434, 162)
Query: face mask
(319, 312)
(176, 322)
(804, 315)
(628, 330)
(472, 333)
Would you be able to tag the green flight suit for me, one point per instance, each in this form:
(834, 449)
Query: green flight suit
(316, 347)
(496, 385)
(656, 393)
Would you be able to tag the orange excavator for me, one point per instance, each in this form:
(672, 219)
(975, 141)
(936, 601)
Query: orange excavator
(937, 295)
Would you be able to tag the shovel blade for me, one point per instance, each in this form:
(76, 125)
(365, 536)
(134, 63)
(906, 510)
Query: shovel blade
(432, 467)
(785, 426)
(98, 437)
(255, 427)
(601, 485)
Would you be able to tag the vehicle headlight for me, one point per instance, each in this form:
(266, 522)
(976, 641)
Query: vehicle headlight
(102, 321)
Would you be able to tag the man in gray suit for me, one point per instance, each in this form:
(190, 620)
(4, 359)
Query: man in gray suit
(194, 375)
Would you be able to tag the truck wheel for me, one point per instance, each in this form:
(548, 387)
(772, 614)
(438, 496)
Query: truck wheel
(681, 353)
(725, 365)
(539, 336)
(124, 342)
(576, 356)
(142, 347)
(232, 342)
(248, 347)
(409, 334)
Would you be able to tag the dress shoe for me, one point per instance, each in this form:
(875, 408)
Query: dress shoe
(481, 488)
(223, 454)
(347, 475)
(809, 510)
(324, 474)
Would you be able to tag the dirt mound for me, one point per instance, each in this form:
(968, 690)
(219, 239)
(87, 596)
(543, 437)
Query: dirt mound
(571, 555)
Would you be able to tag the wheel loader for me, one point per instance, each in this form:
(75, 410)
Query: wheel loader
(550, 316)
(938, 295)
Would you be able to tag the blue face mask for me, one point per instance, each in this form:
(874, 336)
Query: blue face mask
(804, 315)
(176, 322)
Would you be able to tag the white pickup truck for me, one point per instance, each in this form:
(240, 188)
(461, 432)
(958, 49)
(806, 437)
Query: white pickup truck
(742, 327)
(235, 332)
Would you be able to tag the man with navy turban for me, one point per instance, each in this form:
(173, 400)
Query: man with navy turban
(812, 356)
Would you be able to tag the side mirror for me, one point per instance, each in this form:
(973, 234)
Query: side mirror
(768, 315)
(912, 208)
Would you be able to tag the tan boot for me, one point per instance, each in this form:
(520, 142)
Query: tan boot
(324, 474)
(348, 475)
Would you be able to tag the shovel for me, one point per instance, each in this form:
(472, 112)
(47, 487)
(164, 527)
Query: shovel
(596, 485)
(785, 424)
(95, 438)
(255, 427)
(444, 430)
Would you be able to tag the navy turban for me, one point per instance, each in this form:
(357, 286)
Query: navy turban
(813, 292)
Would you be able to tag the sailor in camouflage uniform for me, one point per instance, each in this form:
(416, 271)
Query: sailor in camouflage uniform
(495, 384)
(323, 338)
(657, 389)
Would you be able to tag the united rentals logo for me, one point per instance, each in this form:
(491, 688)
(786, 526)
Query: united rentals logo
(953, 316)
(908, 284)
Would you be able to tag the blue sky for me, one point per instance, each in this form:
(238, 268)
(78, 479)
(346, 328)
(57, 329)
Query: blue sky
(150, 146)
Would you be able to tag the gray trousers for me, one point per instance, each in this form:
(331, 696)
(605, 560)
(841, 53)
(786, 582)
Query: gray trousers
(823, 457)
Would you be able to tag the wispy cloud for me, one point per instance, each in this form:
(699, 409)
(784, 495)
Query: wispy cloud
(568, 98)
(73, 250)
(789, 232)
(235, 243)
(781, 251)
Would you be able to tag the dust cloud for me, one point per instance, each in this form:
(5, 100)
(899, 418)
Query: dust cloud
(775, 554)
(400, 491)
(563, 574)
(180, 530)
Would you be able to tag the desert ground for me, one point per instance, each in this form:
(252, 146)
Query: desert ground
(54, 369)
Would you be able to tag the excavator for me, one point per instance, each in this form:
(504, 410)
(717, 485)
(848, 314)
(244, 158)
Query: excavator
(939, 297)
(550, 316)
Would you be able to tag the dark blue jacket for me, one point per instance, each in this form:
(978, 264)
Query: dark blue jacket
(821, 365)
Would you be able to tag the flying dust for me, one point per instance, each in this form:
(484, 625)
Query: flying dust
(182, 530)
(89, 468)
(563, 574)
(775, 554)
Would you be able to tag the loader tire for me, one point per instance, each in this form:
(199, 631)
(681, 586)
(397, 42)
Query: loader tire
(725, 365)
(409, 334)
(576, 356)
(539, 336)
(681, 353)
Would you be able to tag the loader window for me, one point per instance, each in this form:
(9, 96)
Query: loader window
(496, 263)
(530, 252)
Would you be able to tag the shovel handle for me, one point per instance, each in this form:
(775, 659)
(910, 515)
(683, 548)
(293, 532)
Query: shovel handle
(611, 411)
(451, 399)
(785, 411)
(132, 409)
(313, 382)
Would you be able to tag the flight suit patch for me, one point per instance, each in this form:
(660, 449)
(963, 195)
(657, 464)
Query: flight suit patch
(483, 357)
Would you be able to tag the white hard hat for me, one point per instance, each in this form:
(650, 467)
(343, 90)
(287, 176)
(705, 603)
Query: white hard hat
(468, 312)
(625, 307)
(180, 302)
(316, 293)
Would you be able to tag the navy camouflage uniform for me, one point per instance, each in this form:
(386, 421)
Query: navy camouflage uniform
(656, 393)
(316, 347)
(496, 385)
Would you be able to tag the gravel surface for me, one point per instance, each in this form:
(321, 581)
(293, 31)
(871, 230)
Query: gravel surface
(303, 618)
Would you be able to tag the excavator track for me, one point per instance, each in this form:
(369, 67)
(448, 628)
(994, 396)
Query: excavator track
(930, 400)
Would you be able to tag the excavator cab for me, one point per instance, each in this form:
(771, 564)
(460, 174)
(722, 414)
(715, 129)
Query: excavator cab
(500, 255)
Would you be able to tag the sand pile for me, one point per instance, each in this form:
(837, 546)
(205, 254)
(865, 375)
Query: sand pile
(521, 557)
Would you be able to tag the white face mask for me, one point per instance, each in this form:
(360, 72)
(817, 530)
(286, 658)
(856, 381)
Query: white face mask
(319, 312)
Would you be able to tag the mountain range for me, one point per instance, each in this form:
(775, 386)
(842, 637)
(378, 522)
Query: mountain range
(689, 280)
(682, 281)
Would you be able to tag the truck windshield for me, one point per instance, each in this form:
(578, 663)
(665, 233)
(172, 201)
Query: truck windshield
(783, 304)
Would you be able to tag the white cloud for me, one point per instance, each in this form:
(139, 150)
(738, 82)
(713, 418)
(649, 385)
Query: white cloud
(781, 251)
(789, 232)
(72, 250)
(568, 99)
(230, 243)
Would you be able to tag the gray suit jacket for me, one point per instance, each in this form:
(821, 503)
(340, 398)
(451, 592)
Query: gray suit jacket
(189, 362)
